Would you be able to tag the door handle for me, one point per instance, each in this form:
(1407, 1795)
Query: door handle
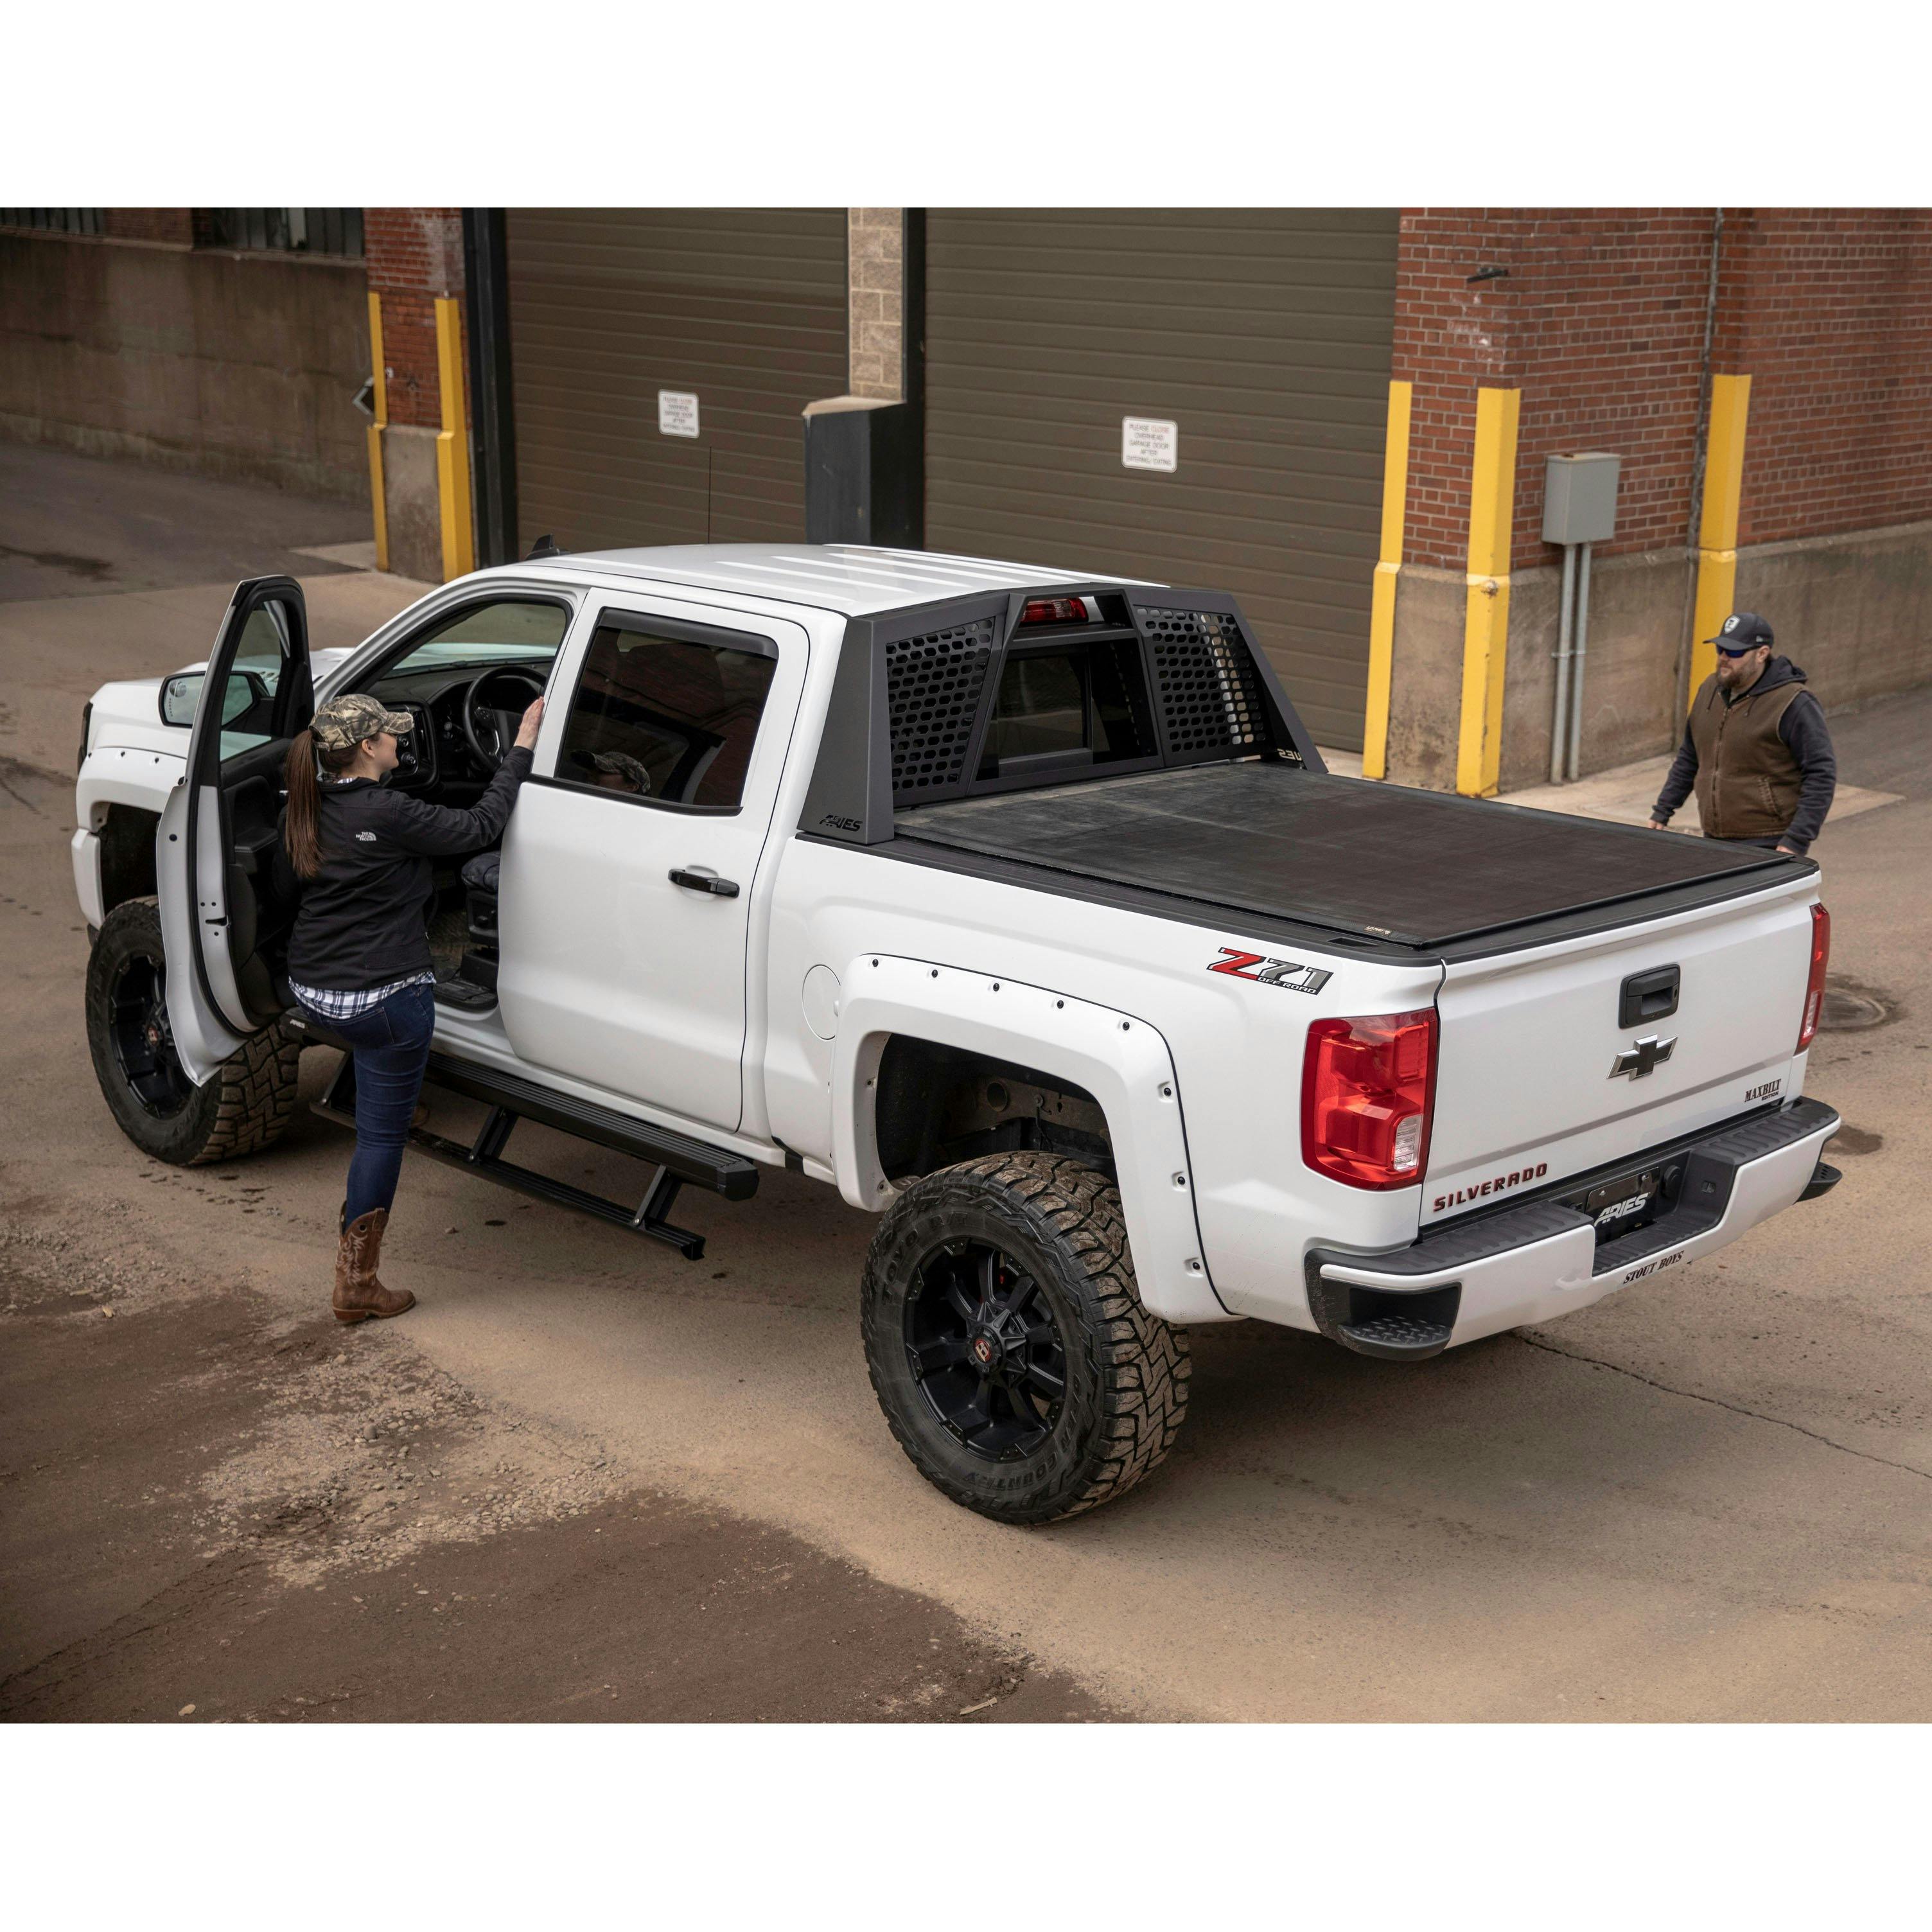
(702, 879)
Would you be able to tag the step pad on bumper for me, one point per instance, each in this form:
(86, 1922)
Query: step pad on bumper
(1402, 1337)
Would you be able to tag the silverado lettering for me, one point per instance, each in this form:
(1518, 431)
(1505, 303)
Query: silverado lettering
(1516, 1177)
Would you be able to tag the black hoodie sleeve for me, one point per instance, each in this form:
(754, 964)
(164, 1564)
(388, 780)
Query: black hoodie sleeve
(1803, 730)
(1678, 781)
(442, 831)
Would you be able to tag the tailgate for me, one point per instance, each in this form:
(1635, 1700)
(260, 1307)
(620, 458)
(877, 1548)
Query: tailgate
(1537, 1078)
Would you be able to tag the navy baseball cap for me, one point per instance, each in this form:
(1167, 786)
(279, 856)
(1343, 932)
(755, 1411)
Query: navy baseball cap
(1744, 630)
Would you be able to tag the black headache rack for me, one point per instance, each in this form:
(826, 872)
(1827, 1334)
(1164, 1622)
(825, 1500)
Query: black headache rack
(677, 1160)
(1145, 679)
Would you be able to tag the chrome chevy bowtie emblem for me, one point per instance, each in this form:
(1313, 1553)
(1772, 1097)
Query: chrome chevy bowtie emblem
(1644, 1057)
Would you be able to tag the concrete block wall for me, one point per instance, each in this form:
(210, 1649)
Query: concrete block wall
(234, 364)
(875, 285)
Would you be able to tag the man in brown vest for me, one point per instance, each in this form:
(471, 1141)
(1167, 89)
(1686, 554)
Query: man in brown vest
(1755, 747)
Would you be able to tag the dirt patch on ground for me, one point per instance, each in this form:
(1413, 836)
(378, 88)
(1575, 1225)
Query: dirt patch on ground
(210, 1511)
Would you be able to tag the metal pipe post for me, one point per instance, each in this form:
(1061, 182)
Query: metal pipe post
(1582, 644)
(1560, 717)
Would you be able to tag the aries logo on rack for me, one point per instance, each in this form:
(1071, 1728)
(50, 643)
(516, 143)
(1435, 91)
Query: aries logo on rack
(1274, 972)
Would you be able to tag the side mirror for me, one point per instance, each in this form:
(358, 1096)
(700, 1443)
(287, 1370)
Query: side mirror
(181, 696)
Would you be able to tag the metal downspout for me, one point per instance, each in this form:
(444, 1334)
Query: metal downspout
(1687, 643)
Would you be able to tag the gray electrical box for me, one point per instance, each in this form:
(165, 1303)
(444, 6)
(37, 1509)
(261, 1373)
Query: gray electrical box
(1579, 498)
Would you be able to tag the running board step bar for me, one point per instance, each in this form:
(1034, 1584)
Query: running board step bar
(677, 1159)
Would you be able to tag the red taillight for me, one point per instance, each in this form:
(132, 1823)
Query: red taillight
(1054, 610)
(1365, 1091)
(1814, 987)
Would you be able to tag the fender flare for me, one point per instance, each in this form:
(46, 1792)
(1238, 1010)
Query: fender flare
(1120, 1058)
(115, 775)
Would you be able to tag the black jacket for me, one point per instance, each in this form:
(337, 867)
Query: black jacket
(1803, 732)
(364, 918)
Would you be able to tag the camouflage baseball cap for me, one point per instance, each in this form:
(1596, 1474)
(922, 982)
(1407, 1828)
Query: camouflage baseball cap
(346, 721)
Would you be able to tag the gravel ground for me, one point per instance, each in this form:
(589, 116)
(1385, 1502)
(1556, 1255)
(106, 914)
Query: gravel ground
(212, 1510)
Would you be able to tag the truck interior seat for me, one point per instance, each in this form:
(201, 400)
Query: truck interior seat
(474, 984)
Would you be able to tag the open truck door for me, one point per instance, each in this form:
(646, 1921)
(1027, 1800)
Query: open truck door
(227, 902)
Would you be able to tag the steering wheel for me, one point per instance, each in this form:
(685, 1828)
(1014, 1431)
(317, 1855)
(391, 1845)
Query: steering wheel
(491, 730)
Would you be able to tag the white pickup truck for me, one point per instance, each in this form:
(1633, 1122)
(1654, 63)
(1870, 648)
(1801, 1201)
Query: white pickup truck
(1018, 905)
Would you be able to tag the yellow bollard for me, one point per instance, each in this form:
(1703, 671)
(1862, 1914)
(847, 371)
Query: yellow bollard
(1486, 620)
(452, 444)
(1381, 610)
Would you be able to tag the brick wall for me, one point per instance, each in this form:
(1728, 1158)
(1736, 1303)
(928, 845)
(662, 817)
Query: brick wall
(1600, 322)
(1829, 311)
(1449, 338)
(413, 255)
(172, 225)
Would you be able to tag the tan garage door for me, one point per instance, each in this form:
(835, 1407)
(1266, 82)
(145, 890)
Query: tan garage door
(744, 308)
(1265, 336)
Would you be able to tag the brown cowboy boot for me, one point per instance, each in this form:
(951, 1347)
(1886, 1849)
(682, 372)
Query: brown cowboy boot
(358, 1294)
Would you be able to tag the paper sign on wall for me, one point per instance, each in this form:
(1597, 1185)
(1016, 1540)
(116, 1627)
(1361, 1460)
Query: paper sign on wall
(677, 414)
(1146, 444)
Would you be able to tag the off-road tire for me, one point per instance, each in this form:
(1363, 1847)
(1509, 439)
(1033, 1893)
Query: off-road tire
(243, 1108)
(1126, 1370)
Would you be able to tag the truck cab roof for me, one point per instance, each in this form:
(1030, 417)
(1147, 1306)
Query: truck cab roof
(855, 580)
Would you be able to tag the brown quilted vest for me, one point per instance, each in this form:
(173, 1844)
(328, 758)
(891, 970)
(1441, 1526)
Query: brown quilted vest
(1747, 780)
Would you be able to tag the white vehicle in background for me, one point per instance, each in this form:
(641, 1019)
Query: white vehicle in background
(1019, 906)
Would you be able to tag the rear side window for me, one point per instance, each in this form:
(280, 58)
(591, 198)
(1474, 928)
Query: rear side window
(664, 718)
(1063, 706)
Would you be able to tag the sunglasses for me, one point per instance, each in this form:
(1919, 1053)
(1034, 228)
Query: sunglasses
(1737, 650)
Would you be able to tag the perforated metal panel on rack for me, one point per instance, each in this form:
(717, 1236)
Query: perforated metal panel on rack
(1205, 689)
(933, 685)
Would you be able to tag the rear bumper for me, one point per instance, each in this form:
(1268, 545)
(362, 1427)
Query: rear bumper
(1535, 1262)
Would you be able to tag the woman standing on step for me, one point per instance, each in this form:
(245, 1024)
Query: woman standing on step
(359, 957)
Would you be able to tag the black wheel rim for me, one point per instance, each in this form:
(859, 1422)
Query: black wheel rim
(144, 1046)
(986, 1350)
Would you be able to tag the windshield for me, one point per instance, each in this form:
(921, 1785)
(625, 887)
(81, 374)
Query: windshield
(510, 631)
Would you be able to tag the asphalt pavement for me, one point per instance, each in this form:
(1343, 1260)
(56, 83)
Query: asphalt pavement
(1700, 1499)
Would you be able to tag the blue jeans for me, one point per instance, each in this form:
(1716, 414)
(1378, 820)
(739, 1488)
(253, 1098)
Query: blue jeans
(392, 1043)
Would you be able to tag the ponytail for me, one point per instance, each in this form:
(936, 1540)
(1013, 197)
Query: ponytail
(301, 830)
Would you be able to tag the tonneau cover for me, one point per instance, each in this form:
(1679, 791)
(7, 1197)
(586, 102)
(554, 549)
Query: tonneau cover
(1421, 867)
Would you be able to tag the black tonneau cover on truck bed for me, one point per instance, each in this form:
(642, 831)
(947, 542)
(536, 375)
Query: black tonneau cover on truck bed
(1418, 867)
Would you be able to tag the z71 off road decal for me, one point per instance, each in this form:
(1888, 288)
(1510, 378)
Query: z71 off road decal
(1274, 973)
